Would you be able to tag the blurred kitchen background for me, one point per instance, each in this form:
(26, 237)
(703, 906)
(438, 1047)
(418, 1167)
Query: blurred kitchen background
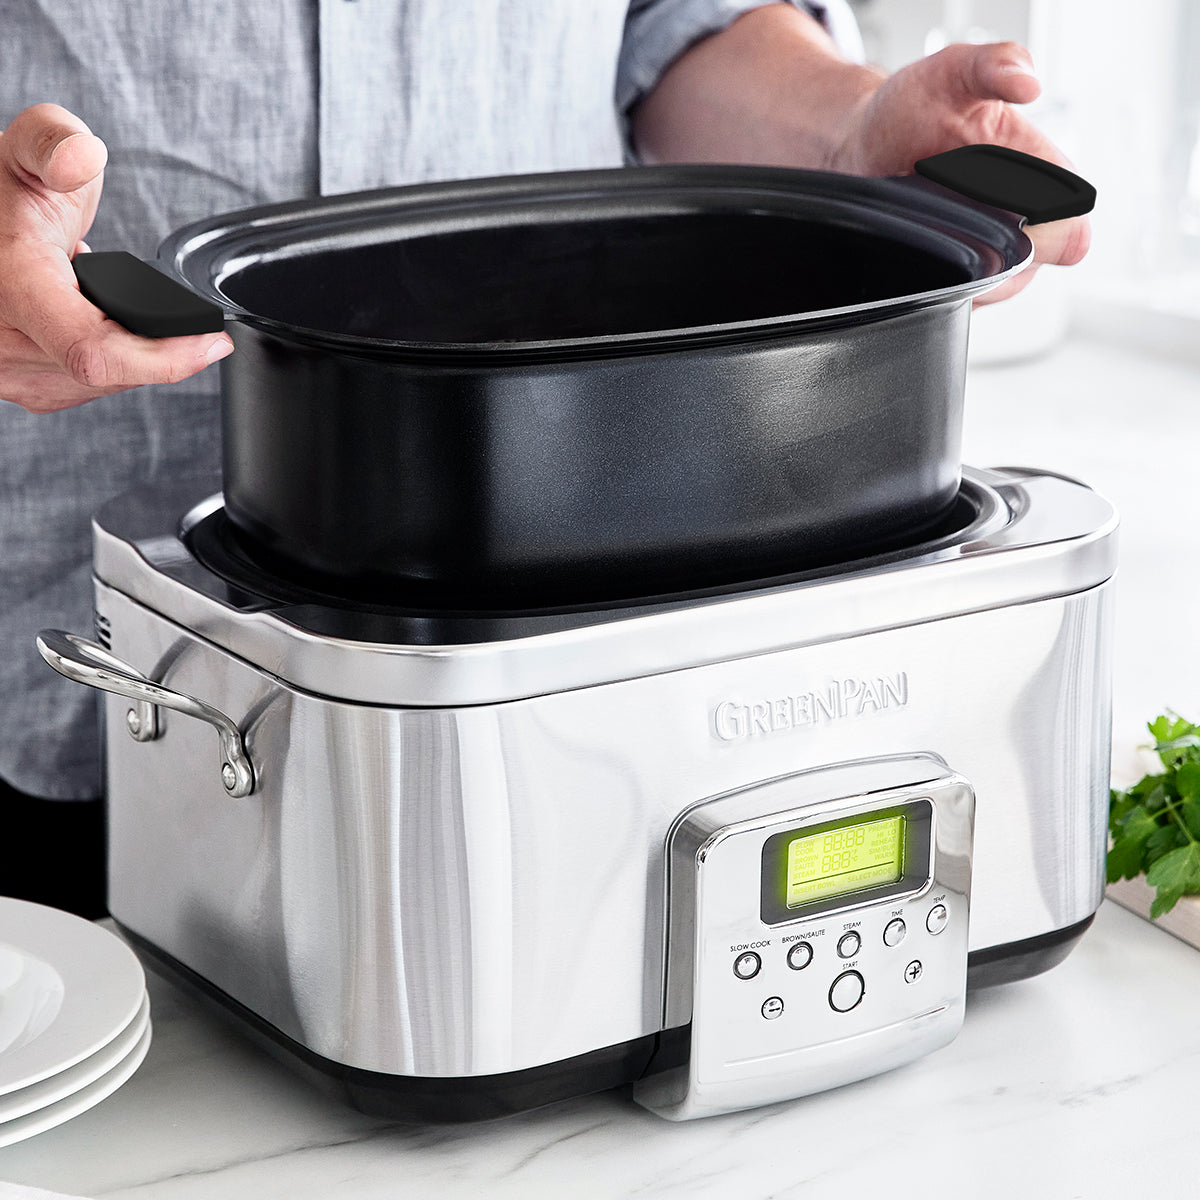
(1121, 96)
(1095, 371)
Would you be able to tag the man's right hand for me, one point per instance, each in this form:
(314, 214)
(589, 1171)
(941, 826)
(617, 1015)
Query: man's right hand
(56, 349)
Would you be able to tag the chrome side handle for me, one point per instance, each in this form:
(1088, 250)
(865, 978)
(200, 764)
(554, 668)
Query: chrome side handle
(87, 662)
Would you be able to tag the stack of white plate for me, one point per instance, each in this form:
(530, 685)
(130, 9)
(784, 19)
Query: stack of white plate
(74, 1017)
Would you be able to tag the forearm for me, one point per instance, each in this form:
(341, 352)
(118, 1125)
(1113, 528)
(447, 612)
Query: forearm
(769, 88)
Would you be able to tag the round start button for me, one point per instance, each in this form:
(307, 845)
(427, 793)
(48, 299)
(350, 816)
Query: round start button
(847, 991)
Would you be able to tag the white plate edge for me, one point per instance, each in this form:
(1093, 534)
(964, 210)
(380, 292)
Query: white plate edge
(81, 1075)
(20, 1128)
(123, 959)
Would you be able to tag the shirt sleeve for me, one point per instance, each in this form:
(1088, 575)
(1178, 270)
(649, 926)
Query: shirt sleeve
(657, 32)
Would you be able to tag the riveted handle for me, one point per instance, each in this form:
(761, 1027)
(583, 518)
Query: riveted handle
(86, 662)
(144, 300)
(1038, 190)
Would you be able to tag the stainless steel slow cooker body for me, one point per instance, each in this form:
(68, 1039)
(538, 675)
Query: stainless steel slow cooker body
(445, 893)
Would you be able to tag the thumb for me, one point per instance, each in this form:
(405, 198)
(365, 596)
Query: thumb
(52, 149)
(996, 71)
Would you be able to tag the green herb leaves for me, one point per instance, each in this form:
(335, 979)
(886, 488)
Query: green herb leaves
(1155, 825)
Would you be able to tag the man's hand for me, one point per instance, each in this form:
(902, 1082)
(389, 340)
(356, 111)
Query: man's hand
(56, 349)
(958, 97)
(772, 88)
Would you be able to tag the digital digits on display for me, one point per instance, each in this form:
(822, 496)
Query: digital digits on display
(849, 859)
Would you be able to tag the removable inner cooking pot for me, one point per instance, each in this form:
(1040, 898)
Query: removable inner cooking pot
(593, 385)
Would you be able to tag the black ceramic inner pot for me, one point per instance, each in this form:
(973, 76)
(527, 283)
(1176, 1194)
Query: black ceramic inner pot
(586, 386)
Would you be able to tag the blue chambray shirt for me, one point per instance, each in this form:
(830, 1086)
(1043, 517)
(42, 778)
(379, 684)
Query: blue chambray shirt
(208, 106)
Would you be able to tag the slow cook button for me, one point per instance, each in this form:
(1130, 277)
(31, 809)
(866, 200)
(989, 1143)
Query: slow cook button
(847, 990)
(747, 965)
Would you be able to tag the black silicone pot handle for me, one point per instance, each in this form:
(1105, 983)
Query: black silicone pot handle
(142, 299)
(1038, 190)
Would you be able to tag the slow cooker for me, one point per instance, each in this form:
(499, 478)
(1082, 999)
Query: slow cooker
(486, 862)
(728, 827)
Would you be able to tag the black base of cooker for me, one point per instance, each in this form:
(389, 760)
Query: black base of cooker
(460, 1099)
(1023, 959)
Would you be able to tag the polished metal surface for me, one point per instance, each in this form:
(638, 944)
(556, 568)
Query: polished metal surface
(1039, 535)
(87, 662)
(475, 889)
(858, 1006)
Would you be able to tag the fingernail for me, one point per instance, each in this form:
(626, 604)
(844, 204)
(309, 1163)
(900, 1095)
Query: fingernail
(71, 137)
(61, 143)
(1017, 69)
(220, 349)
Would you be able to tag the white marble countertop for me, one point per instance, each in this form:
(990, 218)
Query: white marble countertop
(1074, 1084)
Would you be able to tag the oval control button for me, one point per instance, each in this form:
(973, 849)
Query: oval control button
(847, 990)
(848, 945)
(747, 965)
(938, 919)
(772, 1008)
(799, 956)
(893, 932)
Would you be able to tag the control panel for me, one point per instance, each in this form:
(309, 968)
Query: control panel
(817, 931)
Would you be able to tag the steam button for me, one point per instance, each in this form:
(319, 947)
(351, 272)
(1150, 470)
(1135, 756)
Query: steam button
(937, 919)
(799, 956)
(747, 965)
(848, 945)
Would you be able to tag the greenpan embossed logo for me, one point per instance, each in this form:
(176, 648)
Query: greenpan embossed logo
(841, 699)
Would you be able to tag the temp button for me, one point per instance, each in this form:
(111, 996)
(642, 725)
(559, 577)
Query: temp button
(937, 919)
(846, 992)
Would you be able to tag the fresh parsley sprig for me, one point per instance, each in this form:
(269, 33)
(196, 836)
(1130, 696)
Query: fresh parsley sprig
(1155, 825)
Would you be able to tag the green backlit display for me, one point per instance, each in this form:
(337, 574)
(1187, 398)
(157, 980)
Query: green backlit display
(845, 860)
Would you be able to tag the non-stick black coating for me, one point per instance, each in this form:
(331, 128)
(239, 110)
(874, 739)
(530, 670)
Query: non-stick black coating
(577, 279)
(572, 388)
(550, 483)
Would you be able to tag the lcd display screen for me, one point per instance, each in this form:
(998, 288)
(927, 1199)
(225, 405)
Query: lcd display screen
(848, 859)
